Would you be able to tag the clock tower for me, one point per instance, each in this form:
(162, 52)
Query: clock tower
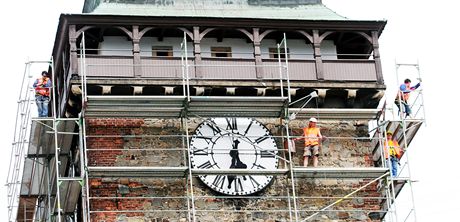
(181, 110)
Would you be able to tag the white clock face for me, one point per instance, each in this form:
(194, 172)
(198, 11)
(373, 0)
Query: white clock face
(234, 143)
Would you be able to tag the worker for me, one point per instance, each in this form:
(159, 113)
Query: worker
(312, 136)
(402, 98)
(392, 151)
(42, 87)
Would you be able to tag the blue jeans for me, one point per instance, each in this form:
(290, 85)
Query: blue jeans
(394, 166)
(405, 106)
(42, 105)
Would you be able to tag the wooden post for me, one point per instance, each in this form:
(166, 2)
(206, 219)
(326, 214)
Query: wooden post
(73, 49)
(378, 62)
(136, 52)
(257, 53)
(197, 51)
(317, 55)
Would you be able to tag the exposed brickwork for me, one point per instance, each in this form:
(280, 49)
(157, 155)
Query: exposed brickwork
(114, 122)
(135, 198)
(106, 149)
(161, 149)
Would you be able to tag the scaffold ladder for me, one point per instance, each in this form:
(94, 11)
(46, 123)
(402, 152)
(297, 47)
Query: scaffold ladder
(20, 139)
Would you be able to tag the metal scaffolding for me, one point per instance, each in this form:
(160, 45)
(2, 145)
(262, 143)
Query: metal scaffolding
(43, 184)
(62, 193)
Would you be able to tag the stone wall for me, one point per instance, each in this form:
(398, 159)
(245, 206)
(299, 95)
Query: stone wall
(153, 142)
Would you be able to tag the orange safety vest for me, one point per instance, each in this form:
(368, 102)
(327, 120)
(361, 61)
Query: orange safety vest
(392, 147)
(404, 96)
(40, 90)
(311, 136)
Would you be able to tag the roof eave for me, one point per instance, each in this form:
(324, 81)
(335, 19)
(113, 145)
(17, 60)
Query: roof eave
(106, 19)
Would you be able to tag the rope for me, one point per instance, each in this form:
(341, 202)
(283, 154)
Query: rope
(345, 197)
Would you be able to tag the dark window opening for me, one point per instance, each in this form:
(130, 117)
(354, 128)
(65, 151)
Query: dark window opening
(221, 52)
(162, 51)
(273, 53)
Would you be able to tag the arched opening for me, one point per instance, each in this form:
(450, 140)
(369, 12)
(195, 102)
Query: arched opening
(299, 52)
(226, 43)
(161, 52)
(346, 45)
(299, 47)
(107, 41)
(109, 51)
(163, 42)
(226, 54)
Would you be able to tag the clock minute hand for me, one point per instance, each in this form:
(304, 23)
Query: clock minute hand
(236, 162)
(235, 157)
(239, 164)
(234, 154)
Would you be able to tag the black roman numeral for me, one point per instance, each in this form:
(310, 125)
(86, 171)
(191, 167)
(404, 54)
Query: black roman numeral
(200, 152)
(237, 185)
(247, 129)
(265, 154)
(205, 165)
(262, 138)
(254, 182)
(219, 181)
(258, 166)
(205, 138)
(216, 130)
(231, 124)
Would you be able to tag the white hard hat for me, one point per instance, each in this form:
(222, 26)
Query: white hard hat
(313, 119)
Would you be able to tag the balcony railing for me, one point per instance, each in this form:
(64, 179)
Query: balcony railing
(349, 70)
(229, 68)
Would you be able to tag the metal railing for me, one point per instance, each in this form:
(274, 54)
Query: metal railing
(294, 205)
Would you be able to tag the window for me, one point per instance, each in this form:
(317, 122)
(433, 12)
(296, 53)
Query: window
(162, 51)
(221, 52)
(273, 53)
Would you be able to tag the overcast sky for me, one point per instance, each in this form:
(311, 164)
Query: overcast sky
(423, 30)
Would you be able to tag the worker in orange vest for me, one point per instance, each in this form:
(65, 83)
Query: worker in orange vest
(392, 151)
(312, 136)
(42, 94)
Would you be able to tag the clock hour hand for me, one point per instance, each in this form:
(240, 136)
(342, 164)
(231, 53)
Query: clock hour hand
(236, 162)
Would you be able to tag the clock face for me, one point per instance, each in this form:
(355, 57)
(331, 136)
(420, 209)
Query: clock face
(234, 143)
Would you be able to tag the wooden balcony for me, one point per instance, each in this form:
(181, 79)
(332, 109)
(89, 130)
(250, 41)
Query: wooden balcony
(229, 68)
(349, 70)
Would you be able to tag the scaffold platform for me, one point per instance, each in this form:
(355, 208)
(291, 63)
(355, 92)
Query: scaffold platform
(335, 114)
(397, 128)
(235, 106)
(135, 106)
(42, 137)
(300, 172)
(339, 173)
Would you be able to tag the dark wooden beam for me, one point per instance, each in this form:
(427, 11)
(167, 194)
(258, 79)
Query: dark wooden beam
(220, 35)
(161, 35)
(101, 35)
(352, 39)
(339, 39)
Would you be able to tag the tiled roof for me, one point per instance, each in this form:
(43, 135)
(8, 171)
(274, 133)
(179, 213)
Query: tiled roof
(211, 8)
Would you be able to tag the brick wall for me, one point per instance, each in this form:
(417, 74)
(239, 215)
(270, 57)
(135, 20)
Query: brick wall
(162, 199)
